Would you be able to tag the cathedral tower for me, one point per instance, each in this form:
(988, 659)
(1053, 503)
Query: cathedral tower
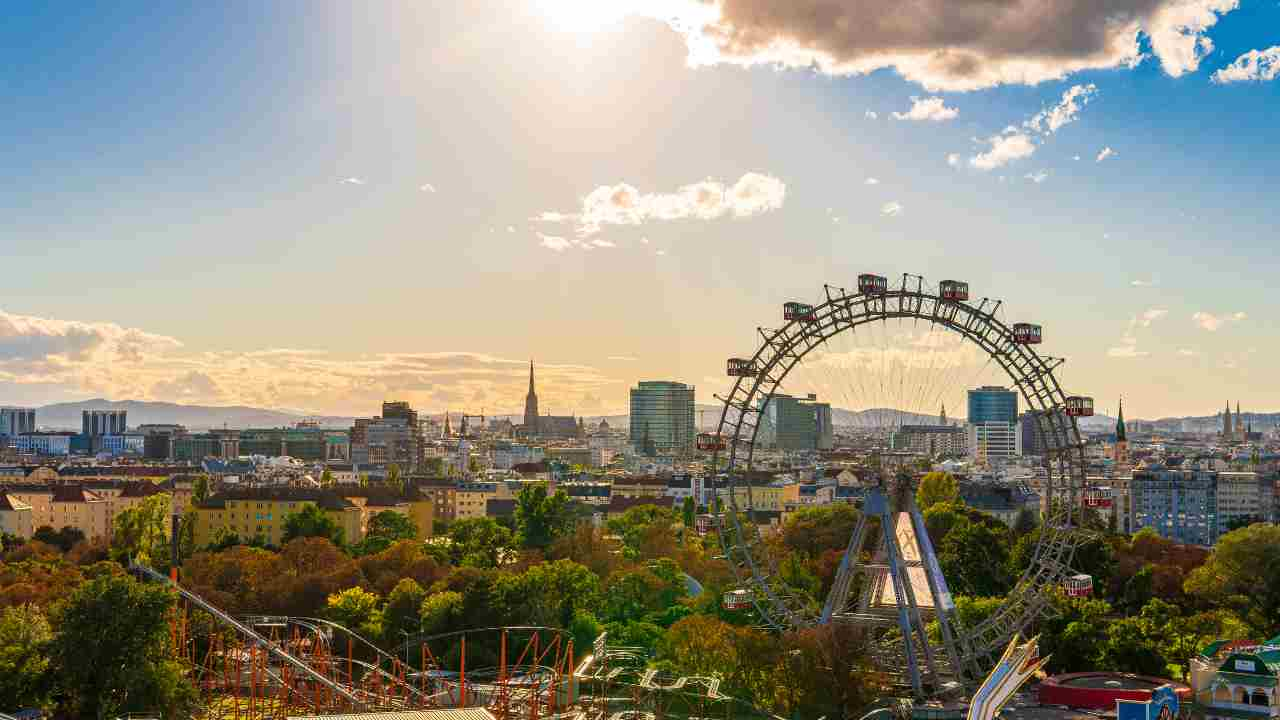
(531, 407)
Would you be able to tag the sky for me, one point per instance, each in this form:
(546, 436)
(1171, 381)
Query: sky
(318, 206)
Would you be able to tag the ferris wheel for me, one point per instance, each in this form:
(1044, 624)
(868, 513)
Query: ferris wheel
(904, 348)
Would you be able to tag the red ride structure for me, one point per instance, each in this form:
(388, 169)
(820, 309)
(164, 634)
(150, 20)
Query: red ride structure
(710, 442)
(1079, 406)
(869, 284)
(1026, 334)
(742, 367)
(953, 290)
(1078, 586)
(798, 311)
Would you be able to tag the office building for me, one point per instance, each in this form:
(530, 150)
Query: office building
(662, 421)
(103, 422)
(385, 441)
(1180, 506)
(198, 446)
(16, 421)
(791, 423)
(931, 440)
(157, 440)
(994, 431)
(993, 404)
(43, 443)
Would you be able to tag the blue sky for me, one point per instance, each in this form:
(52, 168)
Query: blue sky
(316, 206)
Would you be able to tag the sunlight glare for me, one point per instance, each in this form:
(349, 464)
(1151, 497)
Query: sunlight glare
(584, 16)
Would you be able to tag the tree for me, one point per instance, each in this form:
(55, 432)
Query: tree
(326, 478)
(1075, 634)
(311, 521)
(546, 594)
(542, 518)
(200, 489)
(479, 542)
(635, 524)
(395, 478)
(64, 539)
(141, 533)
(1024, 522)
(442, 612)
(402, 614)
(356, 609)
(937, 487)
(385, 529)
(109, 653)
(688, 509)
(974, 558)
(24, 664)
(811, 531)
(1241, 574)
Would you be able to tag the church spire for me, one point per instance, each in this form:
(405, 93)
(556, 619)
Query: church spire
(942, 417)
(531, 376)
(531, 407)
(1120, 431)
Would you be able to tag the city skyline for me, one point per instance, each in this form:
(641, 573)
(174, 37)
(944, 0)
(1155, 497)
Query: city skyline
(346, 206)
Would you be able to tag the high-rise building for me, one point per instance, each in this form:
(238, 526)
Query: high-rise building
(662, 419)
(103, 422)
(993, 403)
(994, 431)
(791, 423)
(16, 421)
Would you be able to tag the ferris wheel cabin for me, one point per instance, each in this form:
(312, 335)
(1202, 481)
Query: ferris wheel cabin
(798, 311)
(710, 442)
(1078, 406)
(954, 290)
(1098, 497)
(742, 367)
(737, 600)
(1026, 334)
(873, 284)
(1078, 586)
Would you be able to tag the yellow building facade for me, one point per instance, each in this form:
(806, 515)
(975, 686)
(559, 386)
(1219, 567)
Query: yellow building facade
(261, 514)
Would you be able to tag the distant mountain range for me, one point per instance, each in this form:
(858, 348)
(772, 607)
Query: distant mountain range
(197, 417)
(201, 417)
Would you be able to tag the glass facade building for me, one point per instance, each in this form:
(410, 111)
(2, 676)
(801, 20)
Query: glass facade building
(662, 421)
(17, 421)
(792, 423)
(993, 404)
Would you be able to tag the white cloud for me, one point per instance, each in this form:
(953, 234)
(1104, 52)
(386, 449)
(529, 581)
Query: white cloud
(77, 359)
(954, 45)
(931, 109)
(661, 253)
(427, 188)
(511, 228)
(1253, 66)
(601, 243)
(1064, 113)
(1128, 348)
(1004, 150)
(623, 204)
(953, 159)
(1143, 283)
(1015, 143)
(1105, 153)
(351, 181)
(871, 181)
(1212, 323)
(644, 241)
(1151, 316)
(870, 115)
(1075, 157)
(552, 242)
(1185, 352)
(1038, 177)
(891, 209)
(622, 358)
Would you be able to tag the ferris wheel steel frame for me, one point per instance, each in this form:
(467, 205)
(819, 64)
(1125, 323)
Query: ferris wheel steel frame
(1031, 374)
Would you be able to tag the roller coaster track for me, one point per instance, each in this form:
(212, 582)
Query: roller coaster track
(252, 636)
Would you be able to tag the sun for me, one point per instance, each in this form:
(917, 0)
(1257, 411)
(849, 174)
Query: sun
(584, 16)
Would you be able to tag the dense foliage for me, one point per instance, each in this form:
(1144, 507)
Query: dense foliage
(79, 637)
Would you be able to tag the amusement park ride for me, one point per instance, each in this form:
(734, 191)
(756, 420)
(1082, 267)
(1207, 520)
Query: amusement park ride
(896, 588)
(889, 582)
